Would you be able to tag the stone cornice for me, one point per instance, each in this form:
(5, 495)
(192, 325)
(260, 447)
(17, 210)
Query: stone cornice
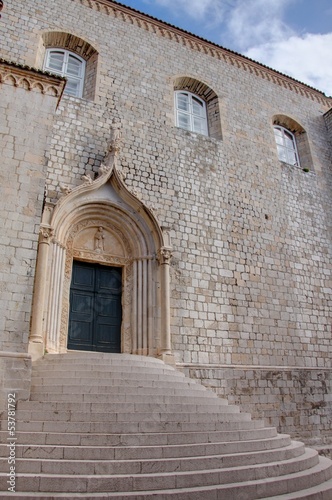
(31, 79)
(194, 42)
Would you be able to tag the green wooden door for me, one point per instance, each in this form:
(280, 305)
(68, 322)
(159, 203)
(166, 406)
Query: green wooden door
(95, 308)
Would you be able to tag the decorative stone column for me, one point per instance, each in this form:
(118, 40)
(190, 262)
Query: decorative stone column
(36, 339)
(165, 352)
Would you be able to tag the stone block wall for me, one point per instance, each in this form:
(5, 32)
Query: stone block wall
(295, 401)
(328, 121)
(28, 102)
(15, 378)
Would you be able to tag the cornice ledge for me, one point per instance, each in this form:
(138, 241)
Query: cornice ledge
(30, 79)
(194, 42)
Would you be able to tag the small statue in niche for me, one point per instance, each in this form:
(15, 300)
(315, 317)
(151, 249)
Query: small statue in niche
(100, 240)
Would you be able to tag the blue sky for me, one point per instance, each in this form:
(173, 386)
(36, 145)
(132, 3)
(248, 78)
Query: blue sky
(291, 36)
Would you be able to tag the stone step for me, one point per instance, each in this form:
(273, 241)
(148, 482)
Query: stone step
(172, 480)
(65, 411)
(102, 370)
(121, 422)
(99, 357)
(218, 492)
(114, 379)
(132, 427)
(53, 395)
(287, 486)
(153, 465)
(120, 382)
(92, 355)
(135, 436)
(117, 399)
(59, 452)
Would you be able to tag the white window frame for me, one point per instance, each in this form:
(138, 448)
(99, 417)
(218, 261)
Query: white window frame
(192, 117)
(290, 153)
(63, 72)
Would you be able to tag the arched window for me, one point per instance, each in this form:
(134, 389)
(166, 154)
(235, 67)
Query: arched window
(67, 55)
(292, 142)
(66, 63)
(197, 107)
(190, 112)
(286, 146)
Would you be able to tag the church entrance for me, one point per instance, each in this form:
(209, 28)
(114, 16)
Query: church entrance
(95, 308)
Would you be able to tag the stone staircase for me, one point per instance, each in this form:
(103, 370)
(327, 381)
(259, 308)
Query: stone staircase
(130, 427)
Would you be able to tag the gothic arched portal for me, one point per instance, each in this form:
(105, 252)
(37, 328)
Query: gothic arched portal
(102, 222)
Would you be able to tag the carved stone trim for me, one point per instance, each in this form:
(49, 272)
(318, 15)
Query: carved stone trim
(100, 258)
(31, 79)
(99, 223)
(196, 43)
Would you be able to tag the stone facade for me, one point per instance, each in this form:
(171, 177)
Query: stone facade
(250, 275)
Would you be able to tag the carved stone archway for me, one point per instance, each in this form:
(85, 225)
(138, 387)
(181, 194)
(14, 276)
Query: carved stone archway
(132, 239)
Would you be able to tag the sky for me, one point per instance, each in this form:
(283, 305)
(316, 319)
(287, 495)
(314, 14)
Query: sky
(291, 36)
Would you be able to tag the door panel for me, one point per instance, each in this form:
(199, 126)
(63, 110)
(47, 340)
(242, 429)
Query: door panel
(95, 308)
(81, 317)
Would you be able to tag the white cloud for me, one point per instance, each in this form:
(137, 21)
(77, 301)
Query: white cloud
(256, 28)
(204, 10)
(253, 22)
(307, 58)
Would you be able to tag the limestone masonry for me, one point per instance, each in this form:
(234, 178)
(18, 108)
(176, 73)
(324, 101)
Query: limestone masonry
(223, 242)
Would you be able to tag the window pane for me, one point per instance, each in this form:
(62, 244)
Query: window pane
(183, 102)
(279, 136)
(67, 64)
(72, 87)
(282, 154)
(289, 141)
(184, 121)
(55, 61)
(198, 107)
(198, 125)
(74, 66)
(286, 146)
(191, 113)
(292, 158)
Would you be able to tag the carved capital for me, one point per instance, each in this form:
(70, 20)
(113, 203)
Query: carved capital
(45, 234)
(165, 255)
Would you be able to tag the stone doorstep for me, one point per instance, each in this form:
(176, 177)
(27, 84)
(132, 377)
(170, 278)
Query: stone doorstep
(147, 465)
(273, 479)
